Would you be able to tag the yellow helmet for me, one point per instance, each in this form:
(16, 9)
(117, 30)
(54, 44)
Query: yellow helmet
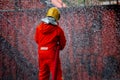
(53, 12)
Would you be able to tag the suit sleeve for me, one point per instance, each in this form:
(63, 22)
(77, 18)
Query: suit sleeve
(62, 40)
(36, 36)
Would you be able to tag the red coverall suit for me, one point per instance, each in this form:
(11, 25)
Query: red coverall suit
(47, 37)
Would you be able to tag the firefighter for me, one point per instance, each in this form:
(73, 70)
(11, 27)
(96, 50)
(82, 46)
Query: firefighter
(48, 36)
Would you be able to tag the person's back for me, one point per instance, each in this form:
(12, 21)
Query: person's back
(48, 36)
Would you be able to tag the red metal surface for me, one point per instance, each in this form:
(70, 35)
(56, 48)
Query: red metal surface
(92, 41)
